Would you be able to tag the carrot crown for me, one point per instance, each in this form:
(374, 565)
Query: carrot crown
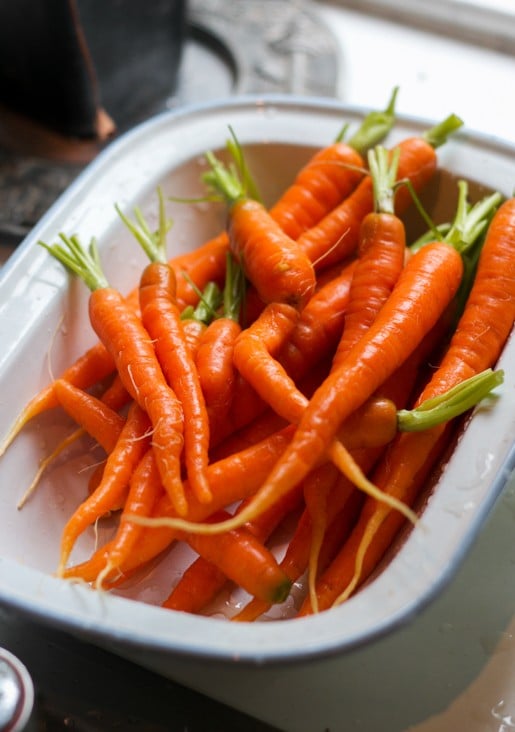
(153, 243)
(374, 127)
(383, 170)
(85, 263)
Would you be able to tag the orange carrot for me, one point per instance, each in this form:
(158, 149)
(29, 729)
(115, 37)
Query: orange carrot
(144, 490)
(271, 260)
(381, 253)
(90, 368)
(123, 334)
(161, 318)
(125, 454)
(203, 580)
(98, 419)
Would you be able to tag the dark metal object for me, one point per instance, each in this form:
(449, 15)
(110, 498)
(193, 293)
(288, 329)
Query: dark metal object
(238, 47)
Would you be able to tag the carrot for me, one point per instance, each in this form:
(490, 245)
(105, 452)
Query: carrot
(271, 259)
(91, 367)
(203, 580)
(330, 175)
(336, 236)
(144, 489)
(214, 358)
(196, 269)
(245, 560)
(490, 312)
(381, 253)
(123, 334)
(427, 284)
(124, 456)
(95, 417)
(162, 319)
(231, 479)
(342, 506)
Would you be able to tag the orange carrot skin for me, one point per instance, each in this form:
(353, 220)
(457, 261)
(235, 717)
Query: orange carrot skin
(245, 560)
(203, 580)
(314, 336)
(336, 236)
(381, 254)
(214, 361)
(320, 185)
(144, 491)
(254, 357)
(204, 264)
(319, 326)
(90, 368)
(120, 329)
(92, 414)
(193, 332)
(232, 479)
(272, 261)
(126, 453)
(161, 318)
(409, 314)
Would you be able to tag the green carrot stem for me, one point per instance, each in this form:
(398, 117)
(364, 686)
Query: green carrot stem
(439, 134)
(85, 263)
(153, 243)
(452, 403)
(383, 169)
(374, 127)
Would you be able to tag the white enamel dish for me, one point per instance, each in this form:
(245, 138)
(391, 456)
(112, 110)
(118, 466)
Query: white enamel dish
(44, 326)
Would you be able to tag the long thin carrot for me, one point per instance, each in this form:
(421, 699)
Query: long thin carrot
(427, 284)
(123, 334)
(94, 365)
(145, 487)
(161, 318)
(477, 343)
(203, 580)
(124, 456)
(381, 254)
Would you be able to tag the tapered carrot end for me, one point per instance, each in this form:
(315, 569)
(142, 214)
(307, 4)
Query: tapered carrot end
(44, 400)
(201, 489)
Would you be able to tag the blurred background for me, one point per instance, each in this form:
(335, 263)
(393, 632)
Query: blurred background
(77, 74)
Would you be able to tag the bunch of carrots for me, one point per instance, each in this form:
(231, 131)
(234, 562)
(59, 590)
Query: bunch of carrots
(307, 367)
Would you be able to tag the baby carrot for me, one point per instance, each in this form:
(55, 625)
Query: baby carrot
(271, 259)
(90, 368)
(123, 458)
(203, 580)
(381, 253)
(123, 334)
(162, 319)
